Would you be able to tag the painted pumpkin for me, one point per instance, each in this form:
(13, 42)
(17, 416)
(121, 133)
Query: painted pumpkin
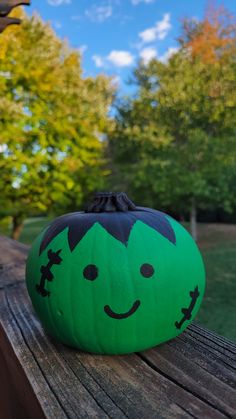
(115, 278)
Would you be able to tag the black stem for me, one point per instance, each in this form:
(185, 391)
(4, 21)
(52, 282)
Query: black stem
(111, 202)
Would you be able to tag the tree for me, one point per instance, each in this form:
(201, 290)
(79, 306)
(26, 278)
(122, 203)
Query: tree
(213, 39)
(51, 120)
(181, 126)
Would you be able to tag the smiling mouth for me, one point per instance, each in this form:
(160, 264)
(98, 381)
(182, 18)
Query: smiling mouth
(120, 316)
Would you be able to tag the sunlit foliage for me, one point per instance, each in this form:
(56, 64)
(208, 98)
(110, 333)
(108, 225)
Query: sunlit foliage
(51, 121)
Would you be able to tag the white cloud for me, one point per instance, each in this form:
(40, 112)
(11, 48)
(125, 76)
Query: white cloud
(116, 58)
(168, 54)
(98, 61)
(57, 24)
(159, 31)
(163, 26)
(116, 81)
(147, 54)
(58, 2)
(82, 49)
(136, 2)
(99, 13)
(148, 35)
(120, 58)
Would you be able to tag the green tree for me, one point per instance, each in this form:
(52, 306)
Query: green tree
(51, 121)
(178, 133)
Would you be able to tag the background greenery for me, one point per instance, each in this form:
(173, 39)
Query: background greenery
(171, 144)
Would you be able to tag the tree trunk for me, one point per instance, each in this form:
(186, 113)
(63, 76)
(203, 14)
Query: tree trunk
(193, 219)
(17, 225)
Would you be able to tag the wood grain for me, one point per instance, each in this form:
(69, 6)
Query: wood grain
(7, 5)
(6, 21)
(190, 376)
(12, 261)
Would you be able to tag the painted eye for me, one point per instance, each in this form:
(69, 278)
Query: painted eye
(90, 272)
(147, 270)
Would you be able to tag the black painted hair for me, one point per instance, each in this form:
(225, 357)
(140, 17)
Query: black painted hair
(113, 211)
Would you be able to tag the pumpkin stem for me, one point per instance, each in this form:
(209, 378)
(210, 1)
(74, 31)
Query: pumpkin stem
(110, 202)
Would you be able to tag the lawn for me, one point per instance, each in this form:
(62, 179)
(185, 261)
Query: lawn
(218, 246)
(32, 228)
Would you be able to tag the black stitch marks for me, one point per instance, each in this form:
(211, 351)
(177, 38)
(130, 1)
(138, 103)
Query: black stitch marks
(47, 275)
(187, 312)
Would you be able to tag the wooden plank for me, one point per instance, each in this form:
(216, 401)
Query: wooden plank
(212, 338)
(56, 386)
(143, 391)
(190, 376)
(222, 354)
(23, 369)
(195, 379)
(201, 357)
(17, 396)
(7, 5)
(6, 21)
(123, 386)
(12, 261)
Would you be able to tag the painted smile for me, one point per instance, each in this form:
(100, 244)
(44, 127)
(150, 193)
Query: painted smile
(120, 316)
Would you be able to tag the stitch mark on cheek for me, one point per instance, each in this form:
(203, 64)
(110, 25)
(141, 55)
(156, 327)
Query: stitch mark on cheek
(46, 273)
(187, 312)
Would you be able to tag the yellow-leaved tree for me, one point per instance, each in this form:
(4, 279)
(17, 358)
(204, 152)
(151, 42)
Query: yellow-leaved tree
(51, 121)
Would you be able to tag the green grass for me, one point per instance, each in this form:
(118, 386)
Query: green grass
(218, 246)
(218, 311)
(217, 243)
(32, 227)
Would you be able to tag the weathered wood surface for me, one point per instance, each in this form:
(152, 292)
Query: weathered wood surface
(7, 5)
(6, 21)
(190, 376)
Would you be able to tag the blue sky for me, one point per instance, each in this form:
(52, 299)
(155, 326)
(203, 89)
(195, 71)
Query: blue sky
(113, 34)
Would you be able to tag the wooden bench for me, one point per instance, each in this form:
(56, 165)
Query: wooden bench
(190, 376)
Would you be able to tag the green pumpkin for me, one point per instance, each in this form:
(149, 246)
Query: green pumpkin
(116, 278)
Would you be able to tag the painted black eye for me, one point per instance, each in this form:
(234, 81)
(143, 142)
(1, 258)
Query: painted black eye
(147, 270)
(90, 272)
